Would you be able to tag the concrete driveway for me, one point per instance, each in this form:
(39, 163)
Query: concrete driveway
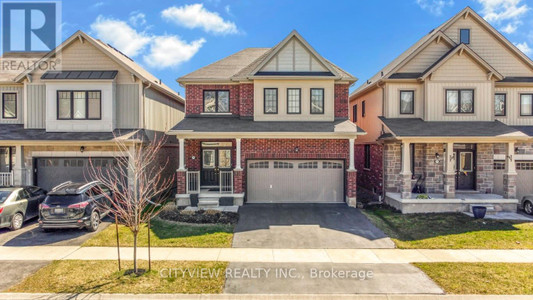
(31, 235)
(306, 226)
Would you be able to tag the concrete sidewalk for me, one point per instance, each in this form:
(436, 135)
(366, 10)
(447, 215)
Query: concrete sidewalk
(261, 297)
(375, 256)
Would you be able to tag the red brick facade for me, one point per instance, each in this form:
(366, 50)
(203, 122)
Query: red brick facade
(246, 100)
(195, 97)
(370, 179)
(341, 100)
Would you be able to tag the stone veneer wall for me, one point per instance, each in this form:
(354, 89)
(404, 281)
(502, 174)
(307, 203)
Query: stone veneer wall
(392, 167)
(433, 172)
(485, 168)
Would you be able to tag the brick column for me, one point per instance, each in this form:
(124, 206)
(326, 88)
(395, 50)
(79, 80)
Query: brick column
(509, 177)
(181, 182)
(351, 188)
(405, 174)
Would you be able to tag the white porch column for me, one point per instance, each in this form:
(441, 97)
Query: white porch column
(449, 172)
(238, 166)
(405, 174)
(19, 170)
(182, 155)
(351, 166)
(509, 177)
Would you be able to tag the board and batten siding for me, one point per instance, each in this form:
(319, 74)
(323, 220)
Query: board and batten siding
(487, 46)
(512, 106)
(20, 97)
(392, 109)
(425, 58)
(36, 106)
(294, 57)
(161, 112)
(127, 106)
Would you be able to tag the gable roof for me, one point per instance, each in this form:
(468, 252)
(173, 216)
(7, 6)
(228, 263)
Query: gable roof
(387, 71)
(460, 49)
(117, 57)
(244, 64)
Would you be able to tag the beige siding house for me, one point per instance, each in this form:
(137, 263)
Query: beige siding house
(451, 118)
(54, 119)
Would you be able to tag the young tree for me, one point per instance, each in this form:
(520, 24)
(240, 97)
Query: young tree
(137, 183)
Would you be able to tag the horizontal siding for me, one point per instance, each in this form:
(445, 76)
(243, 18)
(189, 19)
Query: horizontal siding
(483, 104)
(392, 109)
(20, 112)
(488, 47)
(426, 58)
(36, 102)
(161, 112)
(459, 68)
(513, 105)
(127, 106)
(85, 56)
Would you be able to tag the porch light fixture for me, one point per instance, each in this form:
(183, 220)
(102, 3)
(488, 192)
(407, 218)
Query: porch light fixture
(437, 158)
(82, 148)
(296, 149)
(193, 157)
(510, 157)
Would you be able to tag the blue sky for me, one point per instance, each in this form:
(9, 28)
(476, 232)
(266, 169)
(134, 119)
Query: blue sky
(173, 38)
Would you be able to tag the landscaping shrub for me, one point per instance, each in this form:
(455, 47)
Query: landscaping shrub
(173, 213)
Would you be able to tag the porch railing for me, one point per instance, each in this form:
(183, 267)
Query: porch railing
(6, 178)
(226, 182)
(193, 182)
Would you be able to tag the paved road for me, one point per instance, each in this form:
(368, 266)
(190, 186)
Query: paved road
(306, 226)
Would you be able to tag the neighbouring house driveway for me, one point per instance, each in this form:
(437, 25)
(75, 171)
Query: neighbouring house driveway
(306, 226)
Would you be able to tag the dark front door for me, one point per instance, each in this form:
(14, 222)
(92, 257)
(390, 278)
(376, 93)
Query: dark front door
(213, 161)
(465, 174)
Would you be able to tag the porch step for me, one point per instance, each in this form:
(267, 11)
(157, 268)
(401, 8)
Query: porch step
(206, 203)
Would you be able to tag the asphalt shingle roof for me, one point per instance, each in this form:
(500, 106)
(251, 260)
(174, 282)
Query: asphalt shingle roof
(17, 132)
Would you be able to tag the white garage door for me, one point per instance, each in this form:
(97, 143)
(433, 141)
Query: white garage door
(524, 179)
(295, 181)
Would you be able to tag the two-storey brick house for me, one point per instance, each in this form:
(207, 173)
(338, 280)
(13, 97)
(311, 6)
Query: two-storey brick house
(84, 95)
(450, 117)
(267, 125)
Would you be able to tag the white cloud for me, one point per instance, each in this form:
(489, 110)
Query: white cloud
(227, 8)
(137, 18)
(170, 51)
(98, 4)
(524, 47)
(157, 51)
(196, 16)
(120, 35)
(434, 7)
(510, 28)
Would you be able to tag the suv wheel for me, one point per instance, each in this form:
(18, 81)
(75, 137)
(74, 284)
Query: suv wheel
(16, 221)
(95, 221)
(528, 207)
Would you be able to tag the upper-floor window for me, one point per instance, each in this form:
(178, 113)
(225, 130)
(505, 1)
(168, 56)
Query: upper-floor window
(499, 104)
(464, 36)
(407, 101)
(363, 109)
(79, 105)
(354, 113)
(526, 104)
(271, 100)
(294, 101)
(9, 105)
(460, 101)
(317, 101)
(216, 101)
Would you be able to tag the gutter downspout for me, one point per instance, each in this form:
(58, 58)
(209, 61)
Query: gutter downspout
(382, 196)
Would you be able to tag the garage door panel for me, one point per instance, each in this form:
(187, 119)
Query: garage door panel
(55, 170)
(295, 181)
(524, 178)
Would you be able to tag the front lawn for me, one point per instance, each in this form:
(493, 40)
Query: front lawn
(451, 231)
(168, 234)
(82, 276)
(481, 278)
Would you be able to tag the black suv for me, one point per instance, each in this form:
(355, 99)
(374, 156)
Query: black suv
(74, 205)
